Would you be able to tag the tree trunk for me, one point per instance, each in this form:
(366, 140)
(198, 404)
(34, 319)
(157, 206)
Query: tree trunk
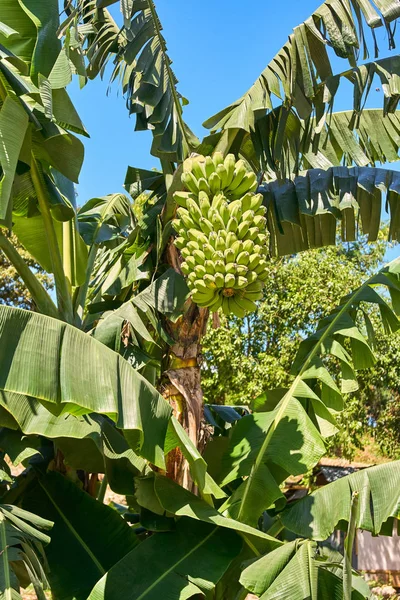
(181, 382)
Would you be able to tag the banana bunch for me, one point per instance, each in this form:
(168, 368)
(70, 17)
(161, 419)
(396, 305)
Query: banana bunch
(220, 225)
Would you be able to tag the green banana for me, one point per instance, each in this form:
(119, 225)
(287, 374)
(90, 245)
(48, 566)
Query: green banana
(252, 277)
(200, 271)
(181, 198)
(241, 282)
(215, 183)
(229, 164)
(208, 251)
(192, 246)
(209, 266)
(194, 210)
(191, 261)
(236, 307)
(180, 242)
(199, 256)
(247, 184)
(218, 159)
(247, 304)
(209, 167)
(232, 225)
(254, 296)
(243, 258)
(248, 246)
(254, 260)
(204, 203)
(259, 221)
(235, 208)
(185, 252)
(209, 281)
(216, 304)
(223, 175)
(237, 247)
(226, 306)
(229, 255)
(230, 280)
(220, 244)
(248, 216)
(206, 226)
(185, 268)
(252, 233)
(231, 268)
(219, 280)
(241, 270)
(262, 265)
(189, 181)
(238, 175)
(230, 238)
(257, 286)
(219, 266)
(243, 229)
(197, 169)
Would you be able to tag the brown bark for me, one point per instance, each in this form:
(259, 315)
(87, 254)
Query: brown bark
(181, 384)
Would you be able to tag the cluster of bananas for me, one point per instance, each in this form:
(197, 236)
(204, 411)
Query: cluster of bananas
(220, 224)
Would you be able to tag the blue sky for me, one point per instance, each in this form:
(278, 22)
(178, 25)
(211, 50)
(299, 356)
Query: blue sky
(218, 49)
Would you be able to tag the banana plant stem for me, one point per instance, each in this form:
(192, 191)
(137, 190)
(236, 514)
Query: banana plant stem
(64, 300)
(41, 298)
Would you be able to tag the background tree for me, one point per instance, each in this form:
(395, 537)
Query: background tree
(13, 290)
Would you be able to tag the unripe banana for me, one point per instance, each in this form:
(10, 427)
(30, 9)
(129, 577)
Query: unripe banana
(223, 233)
(238, 175)
(204, 203)
(257, 203)
(191, 261)
(219, 266)
(185, 218)
(218, 200)
(203, 298)
(212, 238)
(180, 242)
(226, 307)
(204, 186)
(230, 280)
(229, 255)
(218, 159)
(217, 221)
(235, 208)
(200, 271)
(248, 216)
(214, 183)
(209, 266)
(263, 276)
(197, 236)
(218, 256)
(236, 307)
(197, 169)
(243, 258)
(232, 225)
(247, 304)
(230, 239)
(262, 265)
(223, 175)
(252, 277)
(219, 280)
(201, 286)
(194, 210)
(257, 286)
(209, 167)
(190, 182)
(252, 233)
(241, 270)
(254, 296)
(262, 239)
(199, 256)
(237, 247)
(229, 164)
(224, 212)
(259, 221)
(216, 304)
(248, 184)
(181, 198)
(192, 246)
(241, 282)
(185, 268)
(248, 246)
(206, 226)
(208, 251)
(185, 252)
(254, 260)
(220, 244)
(231, 268)
(183, 234)
(192, 279)
(209, 280)
(243, 229)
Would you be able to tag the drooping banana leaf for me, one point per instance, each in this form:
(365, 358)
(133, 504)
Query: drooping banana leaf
(139, 52)
(59, 361)
(328, 508)
(87, 539)
(299, 571)
(258, 451)
(304, 212)
(21, 563)
(294, 75)
(181, 564)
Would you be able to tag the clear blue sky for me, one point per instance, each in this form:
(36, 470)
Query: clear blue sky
(218, 49)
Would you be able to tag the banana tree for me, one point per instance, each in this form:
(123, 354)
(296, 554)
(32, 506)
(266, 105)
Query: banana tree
(106, 379)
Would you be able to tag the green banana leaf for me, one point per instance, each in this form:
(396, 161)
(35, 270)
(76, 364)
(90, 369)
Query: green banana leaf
(160, 494)
(88, 442)
(21, 560)
(70, 372)
(299, 571)
(320, 513)
(87, 538)
(181, 564)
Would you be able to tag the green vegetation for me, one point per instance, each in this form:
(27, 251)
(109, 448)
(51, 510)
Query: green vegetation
(104, 377)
